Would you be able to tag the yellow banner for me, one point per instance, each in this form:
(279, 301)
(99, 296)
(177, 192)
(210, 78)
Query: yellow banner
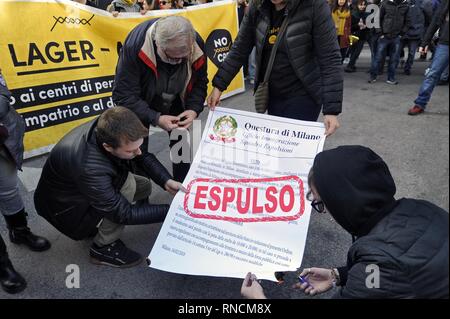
(59, 57)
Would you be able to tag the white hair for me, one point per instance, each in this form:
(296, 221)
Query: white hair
(173, 27)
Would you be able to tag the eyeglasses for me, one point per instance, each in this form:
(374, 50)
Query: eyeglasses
(318, 205)
(173, 60)
(163, 2)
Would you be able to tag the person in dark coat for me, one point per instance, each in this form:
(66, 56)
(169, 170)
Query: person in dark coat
(12, 129)
(420, 14)
(395, 22)
(307, 75)
(373, 6)
(162, 77)
(400, 247)
(89, 186)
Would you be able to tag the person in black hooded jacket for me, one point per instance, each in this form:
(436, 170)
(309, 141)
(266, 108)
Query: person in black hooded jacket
(400, 247)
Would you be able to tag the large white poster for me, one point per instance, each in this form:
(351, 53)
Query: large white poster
(245, 209)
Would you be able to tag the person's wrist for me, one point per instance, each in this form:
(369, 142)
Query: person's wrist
(220, 89)
(155, 121)
(194, 113)
(168, 182)
(335, 277)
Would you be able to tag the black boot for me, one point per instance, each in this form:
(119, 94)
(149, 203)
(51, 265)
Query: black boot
(11, 281)
(19, 233)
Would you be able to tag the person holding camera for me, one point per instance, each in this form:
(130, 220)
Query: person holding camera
(400, 246)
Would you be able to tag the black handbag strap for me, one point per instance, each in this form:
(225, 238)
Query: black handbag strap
(274, 49)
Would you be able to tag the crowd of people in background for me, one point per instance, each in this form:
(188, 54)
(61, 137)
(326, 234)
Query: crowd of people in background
(395, 31)
(142, 6)
(401, 26)
(393, 41)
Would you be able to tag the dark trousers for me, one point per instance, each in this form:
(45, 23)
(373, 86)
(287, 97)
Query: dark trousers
(181, 169)
(299, 108)
(373, 43)
(392, 47)
(356, 49)
(412, 45)
(343, 50)
(2, 248)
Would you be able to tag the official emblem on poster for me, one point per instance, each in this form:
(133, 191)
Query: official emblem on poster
(225, 129)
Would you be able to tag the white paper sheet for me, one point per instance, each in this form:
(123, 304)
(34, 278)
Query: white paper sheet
(246, 208)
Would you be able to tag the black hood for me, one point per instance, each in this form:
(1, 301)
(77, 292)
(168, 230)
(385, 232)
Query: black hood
(356, 186)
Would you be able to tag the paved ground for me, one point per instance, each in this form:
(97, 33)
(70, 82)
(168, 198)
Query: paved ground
(415, 148)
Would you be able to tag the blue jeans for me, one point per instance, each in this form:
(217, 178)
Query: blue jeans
(373, 43)
(392, 46)
(444, 76)
(412, 48)
(437, 67)
(301, 107)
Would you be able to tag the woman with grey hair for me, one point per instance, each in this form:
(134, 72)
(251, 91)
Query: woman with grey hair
(306, 76)
(161, 76)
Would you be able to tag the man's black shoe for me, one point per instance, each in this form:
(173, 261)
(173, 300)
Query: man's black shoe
(114, 255)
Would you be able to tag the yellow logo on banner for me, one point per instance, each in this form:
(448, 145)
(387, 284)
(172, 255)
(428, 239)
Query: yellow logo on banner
(59, 62)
